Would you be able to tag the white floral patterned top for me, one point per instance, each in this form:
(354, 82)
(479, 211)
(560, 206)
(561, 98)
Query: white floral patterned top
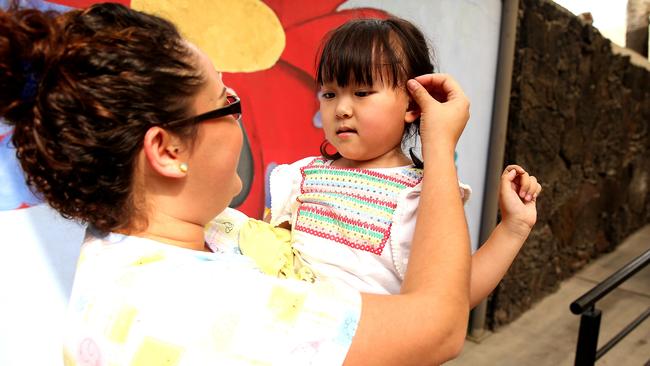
(139, 302)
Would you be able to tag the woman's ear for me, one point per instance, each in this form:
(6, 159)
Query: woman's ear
(412, 112)
(163, 152)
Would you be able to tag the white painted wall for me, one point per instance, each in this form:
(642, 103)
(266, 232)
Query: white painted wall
(38, 255)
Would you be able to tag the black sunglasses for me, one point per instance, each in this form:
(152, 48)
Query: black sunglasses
(232, 108)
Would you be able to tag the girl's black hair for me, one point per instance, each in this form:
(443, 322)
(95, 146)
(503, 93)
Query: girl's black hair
(361, 51)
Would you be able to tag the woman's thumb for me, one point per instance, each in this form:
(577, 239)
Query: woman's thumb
(419, 94)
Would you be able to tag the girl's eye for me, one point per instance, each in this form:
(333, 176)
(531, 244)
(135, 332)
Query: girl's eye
(327, 95)
(362, 93)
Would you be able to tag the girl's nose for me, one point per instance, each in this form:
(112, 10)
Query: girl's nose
(343, 110)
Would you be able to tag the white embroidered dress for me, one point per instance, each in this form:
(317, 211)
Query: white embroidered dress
(351, 225)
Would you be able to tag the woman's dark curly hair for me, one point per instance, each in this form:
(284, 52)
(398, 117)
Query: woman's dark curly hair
(362, 51)
(81, 89)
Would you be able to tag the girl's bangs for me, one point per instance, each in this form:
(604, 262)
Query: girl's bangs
(360, 60)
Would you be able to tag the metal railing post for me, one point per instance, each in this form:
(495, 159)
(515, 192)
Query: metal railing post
(588, 337)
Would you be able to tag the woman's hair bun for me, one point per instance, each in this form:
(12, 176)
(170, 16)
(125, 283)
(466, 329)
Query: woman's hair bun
(26, 37)
(81, 89)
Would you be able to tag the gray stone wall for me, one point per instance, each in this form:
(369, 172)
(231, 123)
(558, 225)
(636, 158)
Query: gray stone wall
(579, 120)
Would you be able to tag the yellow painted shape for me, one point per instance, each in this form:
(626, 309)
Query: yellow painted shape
(122, 325)
(156, 352)
(286, 304)
(238, 36)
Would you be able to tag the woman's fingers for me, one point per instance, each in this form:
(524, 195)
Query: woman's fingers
(421, 95)
(442, 86)
(444, 117)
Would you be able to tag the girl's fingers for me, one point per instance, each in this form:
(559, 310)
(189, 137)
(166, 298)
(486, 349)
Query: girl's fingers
(531, 189)
(508, 182)
(524, 179)
(527, 186)
(524, 184)
(509, 175)
(514, 167)
(538, 190)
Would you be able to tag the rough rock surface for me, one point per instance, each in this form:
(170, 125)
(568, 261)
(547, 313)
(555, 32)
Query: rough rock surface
(579, 120)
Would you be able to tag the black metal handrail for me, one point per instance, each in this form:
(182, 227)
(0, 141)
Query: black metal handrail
(586, 350)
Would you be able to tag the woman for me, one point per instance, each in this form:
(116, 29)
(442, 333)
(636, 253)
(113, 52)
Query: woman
(122, 124)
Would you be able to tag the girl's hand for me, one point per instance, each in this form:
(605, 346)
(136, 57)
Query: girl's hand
(517, 196)
(444, 109)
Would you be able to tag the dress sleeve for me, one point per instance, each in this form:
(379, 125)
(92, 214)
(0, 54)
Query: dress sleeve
(403, 228)
(284, 185)
(403, 225)
(207, 312)
(221, 234)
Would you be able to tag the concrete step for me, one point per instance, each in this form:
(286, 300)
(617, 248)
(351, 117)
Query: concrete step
(547, 333)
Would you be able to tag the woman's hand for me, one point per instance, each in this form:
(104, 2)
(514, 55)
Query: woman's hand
(444, 106)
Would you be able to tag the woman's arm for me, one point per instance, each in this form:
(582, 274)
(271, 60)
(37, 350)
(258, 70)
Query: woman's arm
(426, 323)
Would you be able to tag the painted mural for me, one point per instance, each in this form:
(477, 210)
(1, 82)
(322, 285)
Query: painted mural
(267, 51)
(268, 57)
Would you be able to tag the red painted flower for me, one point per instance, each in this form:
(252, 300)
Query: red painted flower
(280, 104)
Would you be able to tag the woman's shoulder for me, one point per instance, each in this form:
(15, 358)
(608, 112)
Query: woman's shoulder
(114, 252)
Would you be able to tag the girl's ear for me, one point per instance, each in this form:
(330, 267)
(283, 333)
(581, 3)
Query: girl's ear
(412, 112)
(164, 154)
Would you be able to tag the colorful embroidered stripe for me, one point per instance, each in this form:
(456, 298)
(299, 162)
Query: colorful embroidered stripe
(363, 174)
(333, 230)
(342, 222)
(351, 206)
(341, 239)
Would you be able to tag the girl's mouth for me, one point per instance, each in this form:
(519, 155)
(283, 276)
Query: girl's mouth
(345, 131)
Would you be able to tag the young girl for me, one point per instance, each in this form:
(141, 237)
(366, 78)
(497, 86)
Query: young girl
(352, 213)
